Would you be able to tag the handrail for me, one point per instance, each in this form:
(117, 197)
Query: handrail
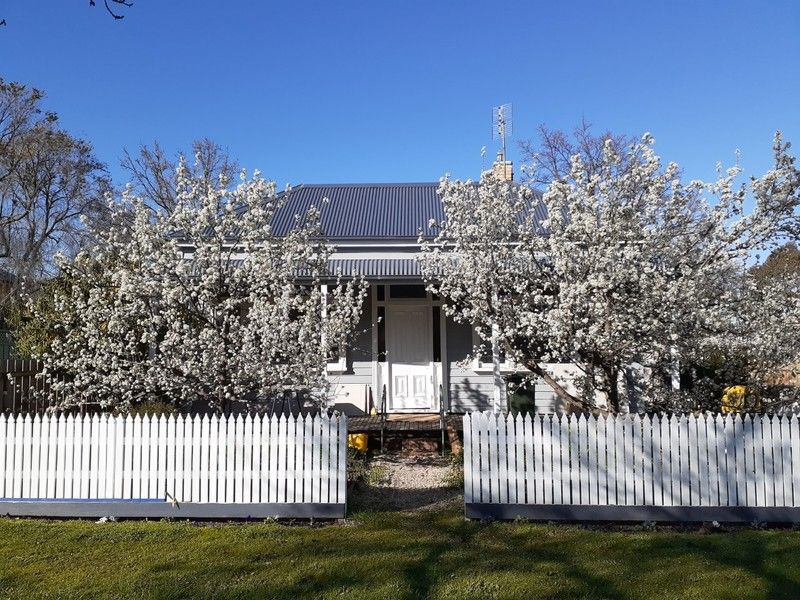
(442, 414)
(383, 414)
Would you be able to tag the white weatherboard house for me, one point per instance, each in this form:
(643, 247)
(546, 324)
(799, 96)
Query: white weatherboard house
(404, 342)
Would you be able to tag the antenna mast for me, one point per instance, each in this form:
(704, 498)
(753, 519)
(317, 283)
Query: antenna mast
(502, 125)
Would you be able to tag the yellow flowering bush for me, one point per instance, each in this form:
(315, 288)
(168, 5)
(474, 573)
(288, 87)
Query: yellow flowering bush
(733, 399)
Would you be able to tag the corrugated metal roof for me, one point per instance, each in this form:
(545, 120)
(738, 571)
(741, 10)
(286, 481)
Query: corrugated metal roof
(369, 211)
(374, 268)
(364, 211)
(371, 268)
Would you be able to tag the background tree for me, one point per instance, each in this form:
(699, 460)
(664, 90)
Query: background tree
(113, 7)
(154, 173)
(50, 182)
(630, 266)
(201, 303)
(549, 157)
(763, 359)
(783, 261)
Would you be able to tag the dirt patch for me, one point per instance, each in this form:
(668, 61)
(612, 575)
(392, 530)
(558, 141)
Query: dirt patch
(406, 483)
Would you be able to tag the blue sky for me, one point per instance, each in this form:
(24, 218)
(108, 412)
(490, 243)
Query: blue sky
(401, 91)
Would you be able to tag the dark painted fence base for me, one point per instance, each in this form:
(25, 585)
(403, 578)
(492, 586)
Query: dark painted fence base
(160, 509)
(568, 512)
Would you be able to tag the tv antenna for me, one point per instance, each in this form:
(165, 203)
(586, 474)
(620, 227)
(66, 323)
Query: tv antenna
(502, 124)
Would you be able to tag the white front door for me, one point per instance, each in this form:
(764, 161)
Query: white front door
(409, 352)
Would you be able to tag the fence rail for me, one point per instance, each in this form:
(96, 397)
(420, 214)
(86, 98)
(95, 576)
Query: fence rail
(688, 467)
(213, 466)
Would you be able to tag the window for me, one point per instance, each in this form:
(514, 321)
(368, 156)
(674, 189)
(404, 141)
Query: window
(408, 291)
(483, 363)
(337, 360)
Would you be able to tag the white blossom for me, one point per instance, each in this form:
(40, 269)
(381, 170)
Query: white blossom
(627, 266)
(204, 304)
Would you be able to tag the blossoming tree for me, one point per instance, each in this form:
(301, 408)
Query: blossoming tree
(203, 304)
(623, 269)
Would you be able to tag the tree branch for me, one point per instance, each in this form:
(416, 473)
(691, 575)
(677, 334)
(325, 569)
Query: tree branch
(116, 16)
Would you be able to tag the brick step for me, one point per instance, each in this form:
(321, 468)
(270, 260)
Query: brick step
(408, 443)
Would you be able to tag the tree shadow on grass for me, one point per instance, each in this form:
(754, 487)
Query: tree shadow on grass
(415, 555)
(496, 563)
(757, 557)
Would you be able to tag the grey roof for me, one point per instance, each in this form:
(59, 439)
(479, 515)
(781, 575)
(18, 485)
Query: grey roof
(375, 268)
(364, 210)
(369, 268)
(369, 211)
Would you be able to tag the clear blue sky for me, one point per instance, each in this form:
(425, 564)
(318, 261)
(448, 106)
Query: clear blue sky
(401, 91)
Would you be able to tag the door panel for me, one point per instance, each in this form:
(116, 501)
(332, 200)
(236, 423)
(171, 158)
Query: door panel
(410, 354)
(401, 385)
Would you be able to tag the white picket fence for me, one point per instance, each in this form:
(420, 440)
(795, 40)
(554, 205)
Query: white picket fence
(208, 460)
(631, 461)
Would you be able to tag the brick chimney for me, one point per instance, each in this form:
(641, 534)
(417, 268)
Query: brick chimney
(503, 169)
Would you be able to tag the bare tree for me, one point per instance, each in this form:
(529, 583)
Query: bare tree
(112, 7)
(19, 114)
(153, 171)
(49, 180)
(548, 158)
(111, 10)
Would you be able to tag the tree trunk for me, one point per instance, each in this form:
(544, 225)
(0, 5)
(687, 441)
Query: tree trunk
(573, 403)
(612, 375)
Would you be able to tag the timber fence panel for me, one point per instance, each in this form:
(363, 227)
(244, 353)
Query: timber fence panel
(558, 461)
(469, 454)
(291, 456)
(749, 462)
(647, 461)
(583, 460)
(341, 473)
(96, 465)
(308, 457)
(782, 460)
(740, 471)
(721, 460)
(502, 459)
(769, 462)
(668, 467)
(794, 430)
(606, 461)
(513, 472)
(524, 433)
(591, 460)
(547, 460)
(758, 461)
(617, 440)
(204, 439)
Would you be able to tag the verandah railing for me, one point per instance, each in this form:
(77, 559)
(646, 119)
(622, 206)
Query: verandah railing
(209, 466)
(678, 467)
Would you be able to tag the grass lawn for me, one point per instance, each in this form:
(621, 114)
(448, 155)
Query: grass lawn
(391, 555)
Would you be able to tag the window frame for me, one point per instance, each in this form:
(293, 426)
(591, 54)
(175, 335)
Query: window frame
(507, 367)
